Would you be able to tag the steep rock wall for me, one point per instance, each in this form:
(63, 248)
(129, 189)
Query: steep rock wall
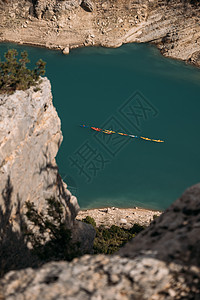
(30, 136)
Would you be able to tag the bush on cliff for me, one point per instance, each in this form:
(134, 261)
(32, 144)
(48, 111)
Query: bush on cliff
(49, 235)
(110, 240)
(14, 74)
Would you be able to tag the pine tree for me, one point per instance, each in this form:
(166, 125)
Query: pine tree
(14, 74)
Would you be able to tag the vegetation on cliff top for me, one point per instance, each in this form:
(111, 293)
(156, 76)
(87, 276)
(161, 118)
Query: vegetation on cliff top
(14, 74)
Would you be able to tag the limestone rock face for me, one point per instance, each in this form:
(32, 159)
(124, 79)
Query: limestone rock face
(161, 263)
(30, 136)
(45, 9)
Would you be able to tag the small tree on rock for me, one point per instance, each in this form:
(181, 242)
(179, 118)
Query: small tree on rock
(14, 74)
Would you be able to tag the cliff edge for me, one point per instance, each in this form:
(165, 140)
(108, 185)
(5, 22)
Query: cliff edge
(30, 136)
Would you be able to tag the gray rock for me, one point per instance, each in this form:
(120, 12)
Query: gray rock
(175, 235)
(195, 58)
(65, 51)
(71, 4)
(123, 221)
(84, 234)
(101, 277)
(44, 8)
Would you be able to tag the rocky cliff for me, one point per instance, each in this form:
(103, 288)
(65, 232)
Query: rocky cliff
(30, 136)
(174, 26)
(161, 263)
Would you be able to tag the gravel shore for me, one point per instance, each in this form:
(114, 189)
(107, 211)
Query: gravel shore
(123, 217)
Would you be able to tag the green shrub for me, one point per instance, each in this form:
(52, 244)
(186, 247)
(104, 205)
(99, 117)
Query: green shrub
(110, 240)
(59, 243)
(136, 228)
(14, 74)
(89, 220)
(155, 216)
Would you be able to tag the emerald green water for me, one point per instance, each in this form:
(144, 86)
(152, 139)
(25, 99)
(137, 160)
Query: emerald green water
(99, 87)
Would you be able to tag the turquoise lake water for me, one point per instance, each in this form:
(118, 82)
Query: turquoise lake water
(131, 89)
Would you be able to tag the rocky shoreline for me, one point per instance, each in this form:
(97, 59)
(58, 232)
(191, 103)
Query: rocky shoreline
(63, 25)
(123, 217)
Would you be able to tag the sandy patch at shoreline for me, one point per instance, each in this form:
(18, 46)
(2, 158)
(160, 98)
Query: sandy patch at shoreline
(123, 217)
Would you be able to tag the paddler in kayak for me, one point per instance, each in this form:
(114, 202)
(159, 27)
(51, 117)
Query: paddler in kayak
(96, 129)
(108, 131)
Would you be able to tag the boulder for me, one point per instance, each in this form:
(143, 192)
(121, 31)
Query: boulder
(71, 4)
(175, 235)
(195, 58)
(65, 51)
(44, 8)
